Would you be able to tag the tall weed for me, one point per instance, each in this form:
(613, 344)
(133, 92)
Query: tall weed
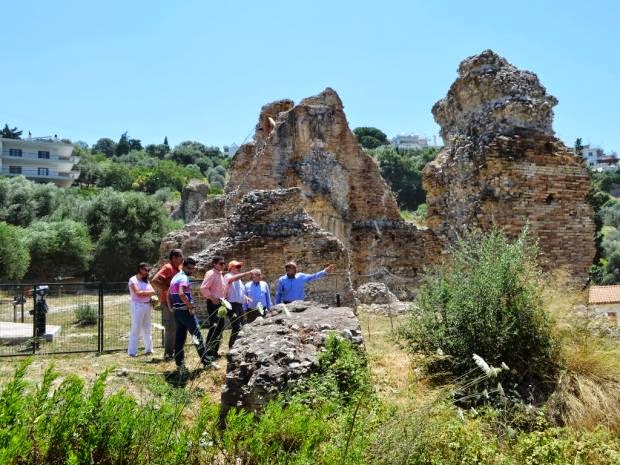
(486, 300)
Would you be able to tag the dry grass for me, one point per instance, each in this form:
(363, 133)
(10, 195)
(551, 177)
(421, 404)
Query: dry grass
(395, 373)
(588, 390)
(396, 376)
(144, 377)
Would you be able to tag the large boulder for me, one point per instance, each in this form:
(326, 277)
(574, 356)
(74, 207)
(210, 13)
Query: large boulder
(273, 352)
(194, 194)
(374, 293)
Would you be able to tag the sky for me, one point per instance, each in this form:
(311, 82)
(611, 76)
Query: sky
(201, 70)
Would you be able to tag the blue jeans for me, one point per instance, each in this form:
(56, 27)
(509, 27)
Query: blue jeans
(186, 322)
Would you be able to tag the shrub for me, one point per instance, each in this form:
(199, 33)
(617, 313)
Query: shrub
(486, 300)
(341, 378)
(75, 424)
(442, 435)
(61, 247)
(126, 228)
(14, 254)
(86, 315)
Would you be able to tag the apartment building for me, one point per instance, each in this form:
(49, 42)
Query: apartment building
(409, 142)
(42, 159)
(598, 160)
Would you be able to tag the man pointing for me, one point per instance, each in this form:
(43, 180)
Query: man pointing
(290, 287)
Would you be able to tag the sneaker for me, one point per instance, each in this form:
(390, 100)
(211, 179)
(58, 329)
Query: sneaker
(182, 370)
(148, 353)
(168, 357)
(211, 366)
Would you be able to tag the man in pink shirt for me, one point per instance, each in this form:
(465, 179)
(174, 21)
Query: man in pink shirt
(214, 288)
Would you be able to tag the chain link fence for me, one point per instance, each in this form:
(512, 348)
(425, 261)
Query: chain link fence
(53, 318)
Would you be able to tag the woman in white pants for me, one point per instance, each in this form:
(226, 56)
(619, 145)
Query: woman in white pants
(141, 292)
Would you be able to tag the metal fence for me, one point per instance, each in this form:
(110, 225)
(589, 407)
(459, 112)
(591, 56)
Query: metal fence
(53, 318)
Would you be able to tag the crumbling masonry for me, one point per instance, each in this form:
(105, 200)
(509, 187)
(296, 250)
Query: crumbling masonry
(304, 190)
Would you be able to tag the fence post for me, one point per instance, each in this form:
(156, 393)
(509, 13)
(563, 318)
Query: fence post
(15, 302)
(22, 299)
(35, 341)
(100, 319)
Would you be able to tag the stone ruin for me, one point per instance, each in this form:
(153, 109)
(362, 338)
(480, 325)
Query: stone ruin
(304, 190)
(501, 166)
(271, 353)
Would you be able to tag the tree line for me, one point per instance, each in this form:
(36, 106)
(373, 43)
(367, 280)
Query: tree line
(48, 232)
(126, 165)
(401, 168)
(114, 216)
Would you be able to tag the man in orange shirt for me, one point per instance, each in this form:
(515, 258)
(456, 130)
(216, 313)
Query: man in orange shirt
(161, 280)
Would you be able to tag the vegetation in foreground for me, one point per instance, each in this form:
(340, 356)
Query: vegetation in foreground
(476, 410)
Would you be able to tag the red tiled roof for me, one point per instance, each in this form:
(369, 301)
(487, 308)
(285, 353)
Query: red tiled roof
(604, 294)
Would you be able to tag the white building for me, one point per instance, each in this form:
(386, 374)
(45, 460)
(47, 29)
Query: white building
(230, 150)
(39, 159)
(605, 300)
(598, 160)
(409, 142)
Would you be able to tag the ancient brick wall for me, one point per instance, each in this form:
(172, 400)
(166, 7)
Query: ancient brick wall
(269, 228)
(502, 166)
(392, 252)
(310, 146)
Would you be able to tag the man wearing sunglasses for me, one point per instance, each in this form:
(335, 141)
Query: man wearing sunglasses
(214, 288)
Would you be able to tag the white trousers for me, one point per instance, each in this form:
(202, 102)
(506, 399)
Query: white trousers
(140, 326)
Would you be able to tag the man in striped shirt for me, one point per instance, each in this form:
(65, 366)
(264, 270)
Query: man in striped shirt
(182, 305)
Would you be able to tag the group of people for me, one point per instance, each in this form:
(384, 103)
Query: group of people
(247, 302)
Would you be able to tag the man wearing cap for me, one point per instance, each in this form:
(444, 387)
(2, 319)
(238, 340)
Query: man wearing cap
(237, 297)
(290, 287)
(214, 288)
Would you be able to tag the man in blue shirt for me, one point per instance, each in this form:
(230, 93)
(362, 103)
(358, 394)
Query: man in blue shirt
(258, 293)
(290, 287)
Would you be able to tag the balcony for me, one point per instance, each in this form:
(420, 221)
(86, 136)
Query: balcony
(35, 173)
(35, 156)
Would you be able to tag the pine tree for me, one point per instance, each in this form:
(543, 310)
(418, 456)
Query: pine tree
(9, 133)
(122, 147)
(578, 147)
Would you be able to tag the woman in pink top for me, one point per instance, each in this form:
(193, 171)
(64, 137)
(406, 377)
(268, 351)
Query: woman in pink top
(141, 292)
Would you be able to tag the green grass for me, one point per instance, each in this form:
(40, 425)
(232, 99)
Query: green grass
(372, 408)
